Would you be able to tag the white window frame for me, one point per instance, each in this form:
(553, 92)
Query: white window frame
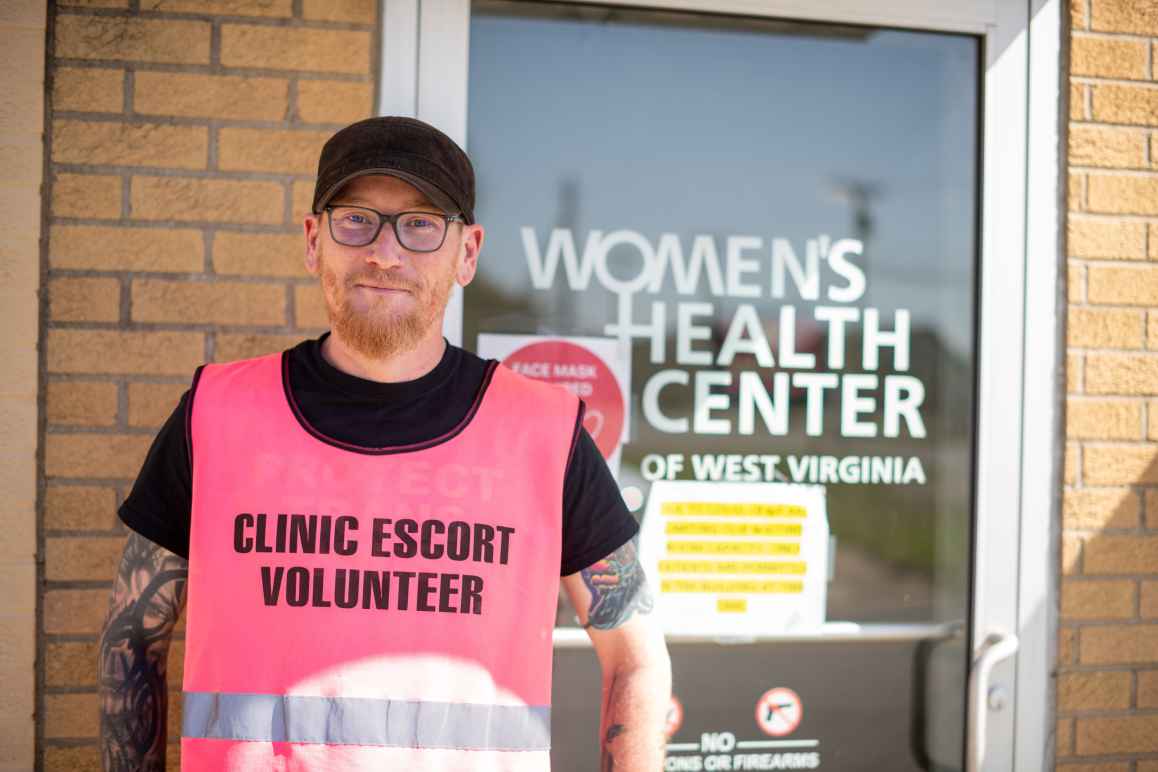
(424, 66)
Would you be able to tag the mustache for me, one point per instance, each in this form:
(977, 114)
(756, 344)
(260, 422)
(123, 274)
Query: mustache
(383, 280)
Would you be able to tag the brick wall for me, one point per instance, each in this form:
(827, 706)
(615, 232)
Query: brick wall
(1107, 696)
(183, 139)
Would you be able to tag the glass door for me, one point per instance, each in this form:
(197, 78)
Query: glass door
(760, 249)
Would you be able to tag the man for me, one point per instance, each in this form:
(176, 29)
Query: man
(371, 525)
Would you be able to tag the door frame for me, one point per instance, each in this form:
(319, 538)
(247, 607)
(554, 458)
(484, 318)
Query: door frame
(1019, 449)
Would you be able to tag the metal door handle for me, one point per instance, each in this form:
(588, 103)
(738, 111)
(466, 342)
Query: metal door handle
(996, 647)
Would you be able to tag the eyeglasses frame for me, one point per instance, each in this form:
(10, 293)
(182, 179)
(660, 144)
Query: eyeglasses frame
(384, 218)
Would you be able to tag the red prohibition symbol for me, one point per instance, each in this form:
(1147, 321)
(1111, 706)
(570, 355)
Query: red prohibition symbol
(778, 712)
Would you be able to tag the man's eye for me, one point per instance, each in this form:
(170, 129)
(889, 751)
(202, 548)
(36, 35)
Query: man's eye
(419, 223)
(356, 219)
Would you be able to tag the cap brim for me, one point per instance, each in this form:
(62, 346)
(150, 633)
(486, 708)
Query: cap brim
(430, 190)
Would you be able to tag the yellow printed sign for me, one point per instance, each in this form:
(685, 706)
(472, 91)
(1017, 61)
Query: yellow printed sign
(730, 509)
(736, 558)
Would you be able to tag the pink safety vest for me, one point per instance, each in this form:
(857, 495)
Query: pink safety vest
(358, 609)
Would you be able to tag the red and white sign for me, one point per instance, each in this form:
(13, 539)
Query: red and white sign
(778, 712)
(674, 718)
(594, 369)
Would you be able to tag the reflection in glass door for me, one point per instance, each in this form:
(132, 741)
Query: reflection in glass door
(750, 246)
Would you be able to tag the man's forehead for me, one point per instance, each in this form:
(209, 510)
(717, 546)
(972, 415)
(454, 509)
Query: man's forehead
(369, 187)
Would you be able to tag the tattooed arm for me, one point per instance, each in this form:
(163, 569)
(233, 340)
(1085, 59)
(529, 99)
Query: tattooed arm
(147, 598)
(614, 605)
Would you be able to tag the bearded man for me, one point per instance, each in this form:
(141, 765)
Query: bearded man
(368, 532)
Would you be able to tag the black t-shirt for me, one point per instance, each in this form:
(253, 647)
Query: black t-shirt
(376, 415)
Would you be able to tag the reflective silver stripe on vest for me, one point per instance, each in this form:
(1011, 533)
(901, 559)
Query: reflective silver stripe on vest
(366, 721)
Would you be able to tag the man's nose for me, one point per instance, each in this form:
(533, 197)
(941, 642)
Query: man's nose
(385, 250)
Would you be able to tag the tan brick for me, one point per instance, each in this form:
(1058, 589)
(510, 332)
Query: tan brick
(219, 302)
(84, 299)
(127, 38)
(1153, 240)
(1152, 420)
(1150, 504)
(82, 558)
(87, 247)
(1126, 734)
(1097, 508)
(150, 404)
(1103, 420)
(1075, 283)
(86, 195)
(1074, 183)
(357, 11)
(70, 663)
(95, 455)
(88, 90)
(223, 7)
(303, 199)
(334, 101)
(1137, 16)
(75, 758)
(1113, 239)
(81, 403)
(70, 715)
(267, 150)
(75, 612)
(177, 198)
(1093, 691)
(1119, 464)
(310, 307)
(286, 48)
(1146, 766)
(1074, 364)
(1077, 101)
(1078, 19)
(259, 254)
(1071, 553)
(1108, 599)
(1107, 147)
(128, 144)
(1072, 461)
(1107, 57)
(1065, 736)
(122, 351)
(1119, 644)
(1148, 689)
(96, 3)
(1121, 374)
(1066, 646)
(1137, 105)
(1148, 604)
(80, 507)
(211, 96)
(1105, 327)
(1100, 766)
(231, 347)
(1122, 554)
(1123, 194)
(1151, 330)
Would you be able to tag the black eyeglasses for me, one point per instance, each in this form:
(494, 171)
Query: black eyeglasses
(357, 226)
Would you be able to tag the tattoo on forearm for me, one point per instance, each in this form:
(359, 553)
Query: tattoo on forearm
(618, 588)
(147, 597)
(607, 763)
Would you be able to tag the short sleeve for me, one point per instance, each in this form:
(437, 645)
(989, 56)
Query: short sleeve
(595, 519)
(161, 503)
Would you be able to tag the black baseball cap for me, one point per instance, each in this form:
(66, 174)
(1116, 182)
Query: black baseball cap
(401, 147)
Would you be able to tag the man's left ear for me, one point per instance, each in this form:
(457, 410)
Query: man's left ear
(472, 246)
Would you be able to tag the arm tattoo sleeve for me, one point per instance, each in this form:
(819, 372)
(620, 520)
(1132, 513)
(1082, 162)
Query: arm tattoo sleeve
(147, 597)
(618, 588)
